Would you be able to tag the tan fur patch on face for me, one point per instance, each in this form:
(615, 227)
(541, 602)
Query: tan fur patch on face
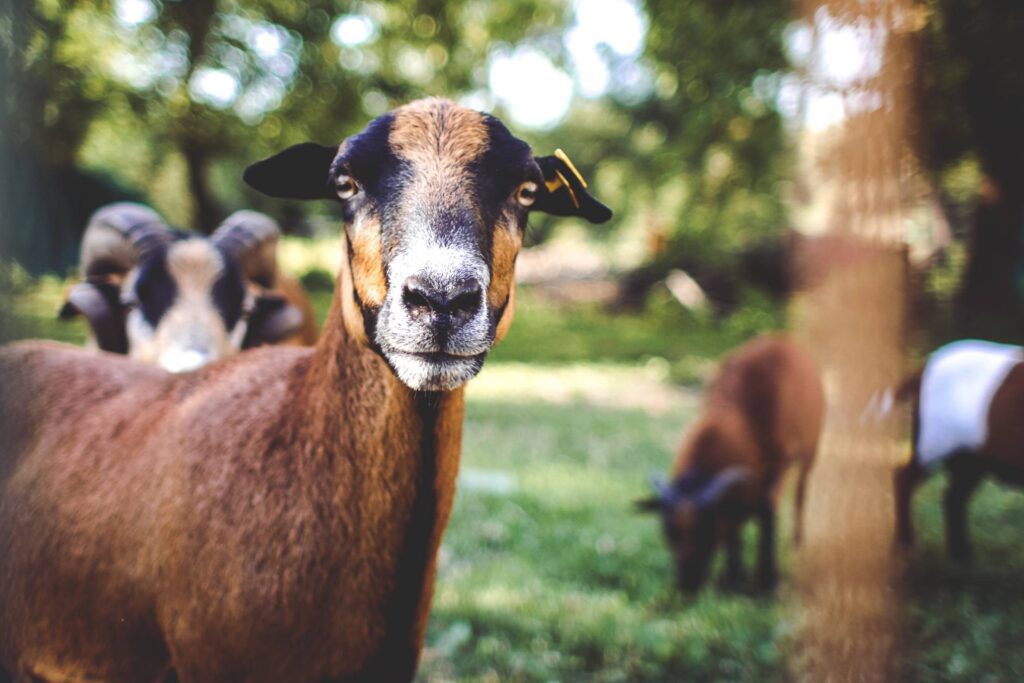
(506, 316)
(194, 264)
(503, 262)
(367, 262)
(351, 313)
(439, 139)
(436, 133)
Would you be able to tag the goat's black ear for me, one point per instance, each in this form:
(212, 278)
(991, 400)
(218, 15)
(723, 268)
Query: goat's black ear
(100, 303)
(272, 319)
(565, 191)
(299, 172)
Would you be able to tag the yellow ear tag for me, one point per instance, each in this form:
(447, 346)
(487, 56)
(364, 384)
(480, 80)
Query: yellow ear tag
(568, 188)
(559, 154)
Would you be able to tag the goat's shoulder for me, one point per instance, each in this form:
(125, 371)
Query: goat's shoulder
(65, 380)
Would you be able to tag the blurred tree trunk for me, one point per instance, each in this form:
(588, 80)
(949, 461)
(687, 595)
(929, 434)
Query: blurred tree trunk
(207, 211)
(190, 134)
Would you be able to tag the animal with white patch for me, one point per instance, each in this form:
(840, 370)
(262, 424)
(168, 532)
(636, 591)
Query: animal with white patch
(762, 413)
(968, 403)
(276, 516)
(181, 300)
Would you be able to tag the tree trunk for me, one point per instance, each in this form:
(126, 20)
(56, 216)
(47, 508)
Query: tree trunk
(207, 212)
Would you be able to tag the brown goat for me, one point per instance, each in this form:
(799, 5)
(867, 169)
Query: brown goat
(275, 516)
(968, 403)
(762, 413)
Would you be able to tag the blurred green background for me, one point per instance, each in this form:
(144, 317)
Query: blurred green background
(694, 120)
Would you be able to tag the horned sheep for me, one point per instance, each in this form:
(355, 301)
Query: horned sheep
(182, 300)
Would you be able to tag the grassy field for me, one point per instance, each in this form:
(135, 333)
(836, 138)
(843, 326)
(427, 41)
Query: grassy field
(546, 574)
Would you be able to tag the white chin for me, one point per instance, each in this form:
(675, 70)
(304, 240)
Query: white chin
(434, 373)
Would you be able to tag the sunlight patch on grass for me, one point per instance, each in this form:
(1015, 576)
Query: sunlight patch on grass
(645, 387)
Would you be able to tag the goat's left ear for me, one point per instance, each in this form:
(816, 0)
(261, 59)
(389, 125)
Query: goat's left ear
(100, 303)
(565, 191)
(299, 172)
(272, 319)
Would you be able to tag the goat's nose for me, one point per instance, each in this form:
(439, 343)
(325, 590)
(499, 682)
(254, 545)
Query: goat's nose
(431, 303)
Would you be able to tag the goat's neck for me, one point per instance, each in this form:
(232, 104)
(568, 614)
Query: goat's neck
(395, 453)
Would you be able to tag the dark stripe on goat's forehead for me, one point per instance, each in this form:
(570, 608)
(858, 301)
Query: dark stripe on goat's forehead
(506, 164)
(369, 159)
(155, 290)
(228, 291)
(156, 287)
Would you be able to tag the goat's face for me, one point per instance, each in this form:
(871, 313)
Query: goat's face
(185, 306)
(698, 512)
(435, 199)
(176, 299)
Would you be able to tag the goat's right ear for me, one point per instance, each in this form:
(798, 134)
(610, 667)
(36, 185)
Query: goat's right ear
(299, 172)
(272, 319)
(100, 303)
(565, 191)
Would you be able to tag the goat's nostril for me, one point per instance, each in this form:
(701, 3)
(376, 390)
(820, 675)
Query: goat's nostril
(416, 298)
(466, 300)
(458, 302)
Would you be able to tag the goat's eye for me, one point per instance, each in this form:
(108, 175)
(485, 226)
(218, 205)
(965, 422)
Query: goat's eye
(526, 195)
(346, 187)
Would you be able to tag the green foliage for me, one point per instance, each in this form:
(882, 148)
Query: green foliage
(689, 126)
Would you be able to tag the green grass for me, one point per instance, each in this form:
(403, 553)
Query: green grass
(966, 624)
(547, 574)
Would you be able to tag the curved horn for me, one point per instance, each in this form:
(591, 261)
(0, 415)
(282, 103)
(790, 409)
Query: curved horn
(118, 236)
(251, 237)
(721, 483)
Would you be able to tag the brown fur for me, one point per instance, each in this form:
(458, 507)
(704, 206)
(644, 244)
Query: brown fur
(504, 249)
(367, 266)
(440, 141)
(434, 134)
(763, 412)
(275, 516)
(295, 294)
(272, 517)
(249, 517)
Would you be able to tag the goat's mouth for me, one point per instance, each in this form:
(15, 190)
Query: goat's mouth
(434, 370)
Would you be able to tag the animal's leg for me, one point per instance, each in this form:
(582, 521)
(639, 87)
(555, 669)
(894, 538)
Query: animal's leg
(964, 476)
(905, 480)
(767, 574)
(734, 572)
(798, 505)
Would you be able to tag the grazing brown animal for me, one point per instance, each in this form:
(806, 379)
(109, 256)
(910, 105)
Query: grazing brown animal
(968, 403)
(275, 516)
(181, 300)
(762, 413)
